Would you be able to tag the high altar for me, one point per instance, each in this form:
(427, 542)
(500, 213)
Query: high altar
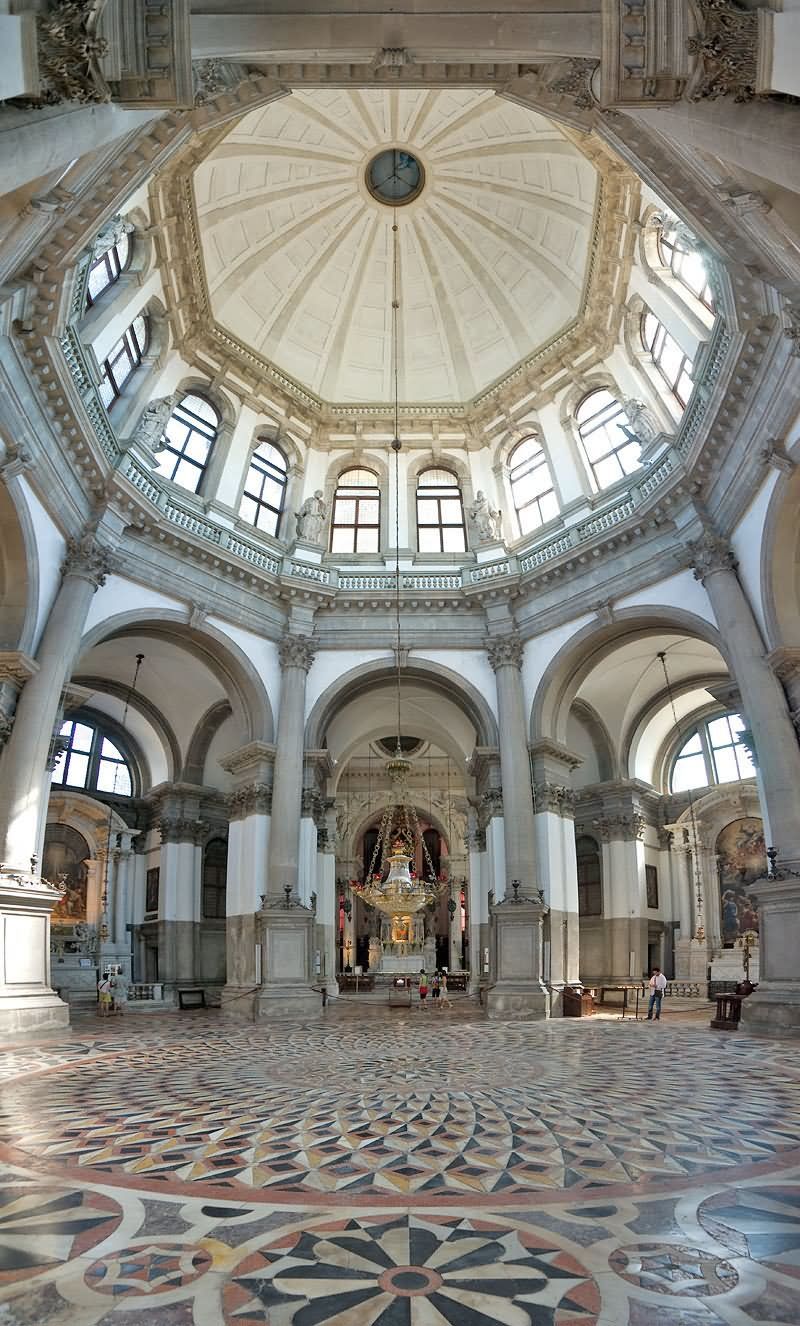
(401, 949)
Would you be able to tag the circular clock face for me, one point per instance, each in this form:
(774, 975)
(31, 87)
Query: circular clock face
(395, 177)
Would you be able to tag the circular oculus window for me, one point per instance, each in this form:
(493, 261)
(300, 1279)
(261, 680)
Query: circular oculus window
(395, 177)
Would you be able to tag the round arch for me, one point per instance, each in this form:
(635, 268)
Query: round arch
(146, 709)
(440, 679)
(19, 581)
(584, 651)
(243, 686)
(374, 813)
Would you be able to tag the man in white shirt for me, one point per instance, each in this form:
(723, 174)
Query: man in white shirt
(658, 984)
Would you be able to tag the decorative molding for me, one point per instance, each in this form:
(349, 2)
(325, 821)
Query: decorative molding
(296, 651)
(774, 453)
(16, 668)
(785, 662)
(251, 799)
(505, 651)
(573, 79)
(727, 47)
(710, 553)
(14, 459)
(213, 77)
(88, 559)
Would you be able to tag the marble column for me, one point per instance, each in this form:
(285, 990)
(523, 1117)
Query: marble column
(505, 655)
(23, 805)
(621, 831)
(328, 899)
(249, 808)
(296, 653)
(179, 897)
(775, 1007)
(554, 825)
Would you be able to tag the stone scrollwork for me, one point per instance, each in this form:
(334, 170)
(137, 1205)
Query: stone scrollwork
(213, 77)
(505, 651)
(87, 558)
(727, 47)
(296, 651)
(710, 553)
(68, 54)
(252, 799)
(573, 79)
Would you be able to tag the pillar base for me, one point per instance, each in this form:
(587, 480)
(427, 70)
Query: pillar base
(287, 1003)
(33, 1015)
(28, 1005)
(773, 1010)
(692, 959)
(239, 1002)
(517, 1003)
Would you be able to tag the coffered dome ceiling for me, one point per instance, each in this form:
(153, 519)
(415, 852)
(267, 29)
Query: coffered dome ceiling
(493, 249)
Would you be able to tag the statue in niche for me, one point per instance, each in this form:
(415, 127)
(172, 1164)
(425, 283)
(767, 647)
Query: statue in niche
(375, 952)
(644, 427)
(150, 428)
(310, 519)
(485, 522)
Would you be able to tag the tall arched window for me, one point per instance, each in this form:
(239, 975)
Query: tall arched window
(190, 434)
(108, 268)
(356, 519)
(440, 513)
(265, 488)
(674, 366)
(713, 753)
(91, 761)
(215, 870)
(123, 360)
(590, 883)
(532, 490)
(677, 252)
(607, 438)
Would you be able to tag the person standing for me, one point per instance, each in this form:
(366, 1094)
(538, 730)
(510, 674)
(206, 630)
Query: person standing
(104, 993)
(658, 984)
(423, 988)
(435, 987)
(444, 997)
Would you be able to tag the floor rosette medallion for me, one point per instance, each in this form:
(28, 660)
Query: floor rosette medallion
(42, 1227)
(410, 1271)
(667, 1268)
(147, 1270)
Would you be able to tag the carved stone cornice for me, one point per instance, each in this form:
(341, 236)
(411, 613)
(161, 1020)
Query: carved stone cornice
(727, 47)
(16, 668)
(87, 558)
(179, 829)
(251, 799)
(250, 763)
(554, 797)
(505, 651)
(710, 553)
(296, 651)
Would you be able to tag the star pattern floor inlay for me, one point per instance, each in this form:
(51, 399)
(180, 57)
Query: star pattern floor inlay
(376, 1169)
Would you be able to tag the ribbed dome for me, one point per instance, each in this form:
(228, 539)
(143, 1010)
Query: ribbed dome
(492, 252)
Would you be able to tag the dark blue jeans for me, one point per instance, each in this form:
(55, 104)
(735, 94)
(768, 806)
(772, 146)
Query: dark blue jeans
(655, 1003)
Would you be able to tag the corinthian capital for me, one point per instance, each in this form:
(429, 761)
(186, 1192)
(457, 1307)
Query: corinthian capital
(296, 651)
(87, 558)
(505, 651)
(710, 553)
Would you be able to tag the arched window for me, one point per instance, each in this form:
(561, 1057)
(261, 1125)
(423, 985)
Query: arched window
(590, 885)
(190, 434)
(265, 488)
(123, 360)
(713, 753)
(356, 520)
(108, 268)
(674, 366)
(677, 252)
(440, 513)
(91, 761)
(215, 869)
(535, 501)
(611, 448)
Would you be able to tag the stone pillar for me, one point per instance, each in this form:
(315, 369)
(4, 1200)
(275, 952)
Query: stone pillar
(554, 826)
(505, 656)
(23, 807)
(179, 898)
(478, 899)
(249, 808)
(328, 899)
(621, 829)
(296, 653)
(458, 881)
(519, 991)
(775, 1007)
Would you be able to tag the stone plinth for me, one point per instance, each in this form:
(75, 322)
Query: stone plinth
(691, 961)
(518, 991)
(774, 1008)
(401, 964)
(287, 962)
(28, 1005)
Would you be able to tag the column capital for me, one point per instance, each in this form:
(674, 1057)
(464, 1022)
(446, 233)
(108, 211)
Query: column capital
(296, 651)
(88, 559)
(710, 553)
(179, 829)
(505, 651)
(625, 827)
(16, 668)
(251, 799)
(555, 797)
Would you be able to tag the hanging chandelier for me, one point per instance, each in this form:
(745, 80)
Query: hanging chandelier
(391, 884)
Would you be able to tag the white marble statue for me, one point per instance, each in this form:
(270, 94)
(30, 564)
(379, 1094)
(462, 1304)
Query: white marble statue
(375, 952)
(310, 519)
(153, 421)
(642, 421)
(484, 520)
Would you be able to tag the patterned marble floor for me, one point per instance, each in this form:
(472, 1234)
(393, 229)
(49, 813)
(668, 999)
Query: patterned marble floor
(399, 1169)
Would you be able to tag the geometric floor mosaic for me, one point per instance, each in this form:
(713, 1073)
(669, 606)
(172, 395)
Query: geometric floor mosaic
(379, 1168)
